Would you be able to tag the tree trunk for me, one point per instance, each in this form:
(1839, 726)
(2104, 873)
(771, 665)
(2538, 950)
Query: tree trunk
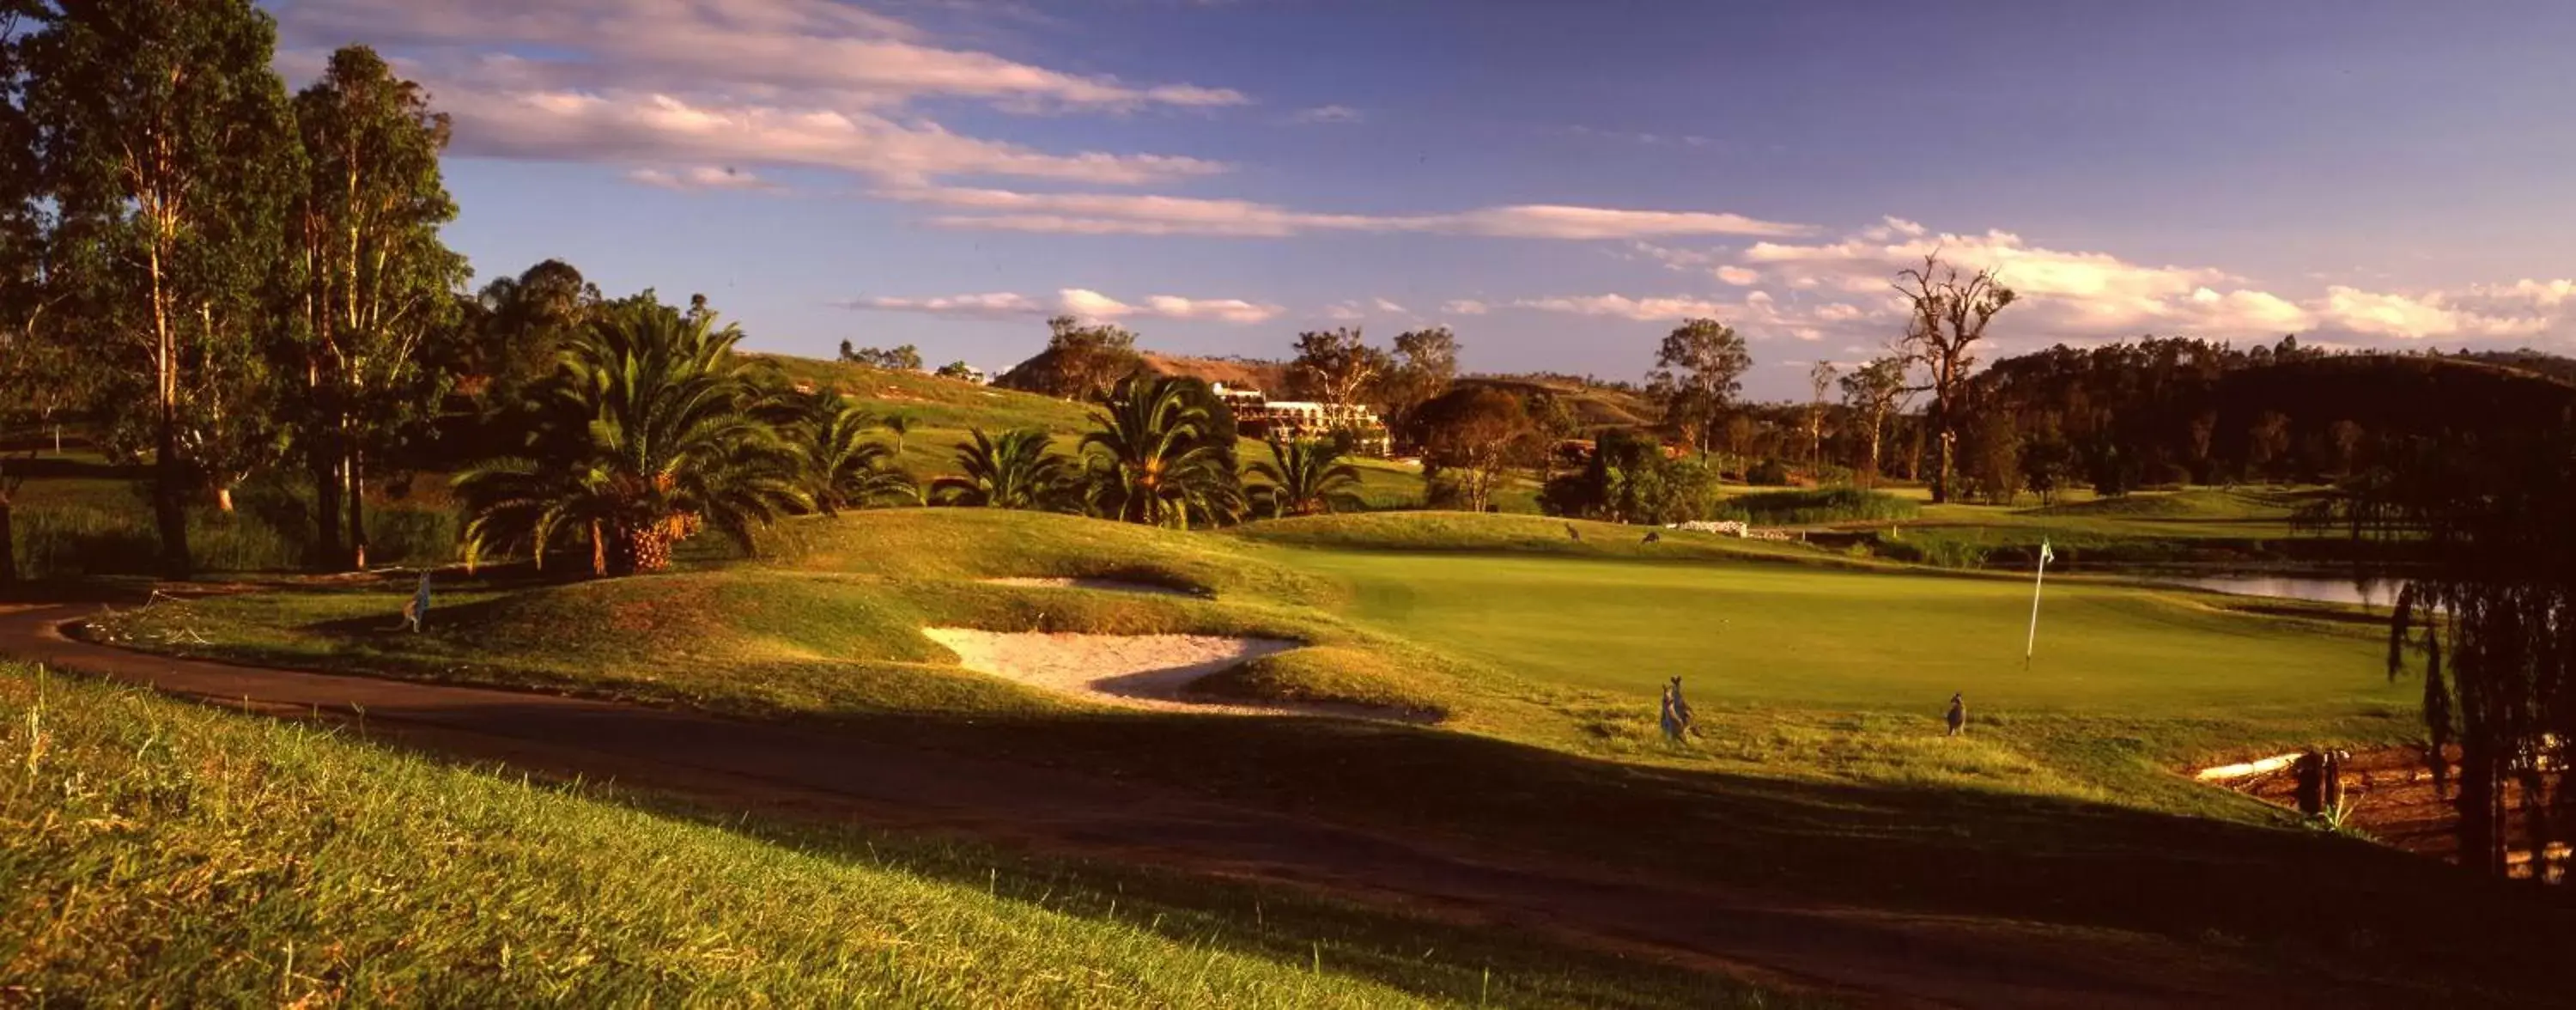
(1877, 434)
(1914, 461)
(2481, 840)
(170, 510)
(224, 500)
(357, 512)
(327, 546)
(648, 549)
(1945, 452)
(8, 543)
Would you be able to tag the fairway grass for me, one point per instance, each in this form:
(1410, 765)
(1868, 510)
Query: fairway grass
(1823, 638)
(1505, 625)
(1820, 768)
(153, 852)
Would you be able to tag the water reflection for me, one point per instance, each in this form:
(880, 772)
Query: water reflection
(2371, 592)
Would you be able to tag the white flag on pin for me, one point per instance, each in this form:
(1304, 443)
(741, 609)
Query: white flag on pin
(2038, 576)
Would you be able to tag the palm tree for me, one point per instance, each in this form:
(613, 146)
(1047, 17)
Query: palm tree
(656, 437)
(900, 425)
(1153, 460)
(1307, 477)
(844, 466)
(1015, 471)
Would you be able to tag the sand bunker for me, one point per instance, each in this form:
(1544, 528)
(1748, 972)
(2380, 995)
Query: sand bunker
(1105, 585)
(1132, 671)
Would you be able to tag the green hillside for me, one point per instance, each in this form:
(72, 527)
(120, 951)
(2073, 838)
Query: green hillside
(158, 853)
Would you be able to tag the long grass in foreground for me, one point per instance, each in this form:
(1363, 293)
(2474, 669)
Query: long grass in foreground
(153, 852)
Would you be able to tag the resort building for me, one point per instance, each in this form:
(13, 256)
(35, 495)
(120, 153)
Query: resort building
(1258, 416)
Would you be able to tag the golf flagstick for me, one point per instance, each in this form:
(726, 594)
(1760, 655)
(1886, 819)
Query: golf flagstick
(2045, 556)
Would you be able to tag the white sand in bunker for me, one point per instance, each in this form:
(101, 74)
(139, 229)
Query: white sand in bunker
(1132, 671)
(1105, 585)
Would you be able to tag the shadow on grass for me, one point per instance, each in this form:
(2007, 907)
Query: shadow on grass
(1438, 958)
(1615, 849)
(2295, 898)
(1814, 878)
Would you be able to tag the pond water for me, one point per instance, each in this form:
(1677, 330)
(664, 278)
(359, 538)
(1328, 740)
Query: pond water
(2372, 592)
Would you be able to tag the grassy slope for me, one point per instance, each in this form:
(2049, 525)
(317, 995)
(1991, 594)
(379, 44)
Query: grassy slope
(2206, 526)
(828, 627)
(1822, 771)
(154, 852)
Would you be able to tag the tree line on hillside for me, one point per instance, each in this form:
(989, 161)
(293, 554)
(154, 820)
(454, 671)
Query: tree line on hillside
(228, 283)
(227, 277)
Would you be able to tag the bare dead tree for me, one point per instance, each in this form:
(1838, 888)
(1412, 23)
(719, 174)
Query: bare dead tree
(1820, 377)
(1948, 317)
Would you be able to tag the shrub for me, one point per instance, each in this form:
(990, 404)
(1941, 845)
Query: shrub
(1828, 505)
(1768, 473)
(268, 533)
(1939, 552)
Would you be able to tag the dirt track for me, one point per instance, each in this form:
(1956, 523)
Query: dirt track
(2395, 800)
(1867, 956)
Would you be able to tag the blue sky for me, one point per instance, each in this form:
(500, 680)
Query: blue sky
(1559, 182)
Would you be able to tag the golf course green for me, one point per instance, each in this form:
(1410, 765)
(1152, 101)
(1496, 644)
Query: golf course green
(1801, 635)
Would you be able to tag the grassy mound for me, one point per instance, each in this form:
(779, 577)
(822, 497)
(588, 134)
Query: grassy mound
(155, 853)
(730, 641)
(2197, 503)
(1824, 505)
(1332, 675)
(830, 627)
(971, 543)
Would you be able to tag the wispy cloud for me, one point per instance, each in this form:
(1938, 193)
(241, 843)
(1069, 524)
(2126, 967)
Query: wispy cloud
(811, 83)
(1647, 138)
(702, 178)
(783, 47)
(1130, 214)
(1082, 302)
(1327, 114)
(1841, 288)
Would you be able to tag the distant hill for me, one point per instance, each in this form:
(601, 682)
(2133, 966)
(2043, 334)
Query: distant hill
(2389, 394)
(2555, 366)
(1270, 377)
(935, 402)
(1595, 405)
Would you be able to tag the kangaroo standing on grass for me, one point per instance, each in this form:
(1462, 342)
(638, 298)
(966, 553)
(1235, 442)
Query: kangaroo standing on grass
(417, 607)
(1958, 717)
(1677, 713)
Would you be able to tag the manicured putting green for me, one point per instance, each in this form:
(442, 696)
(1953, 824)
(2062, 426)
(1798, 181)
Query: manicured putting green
(1786, 634)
